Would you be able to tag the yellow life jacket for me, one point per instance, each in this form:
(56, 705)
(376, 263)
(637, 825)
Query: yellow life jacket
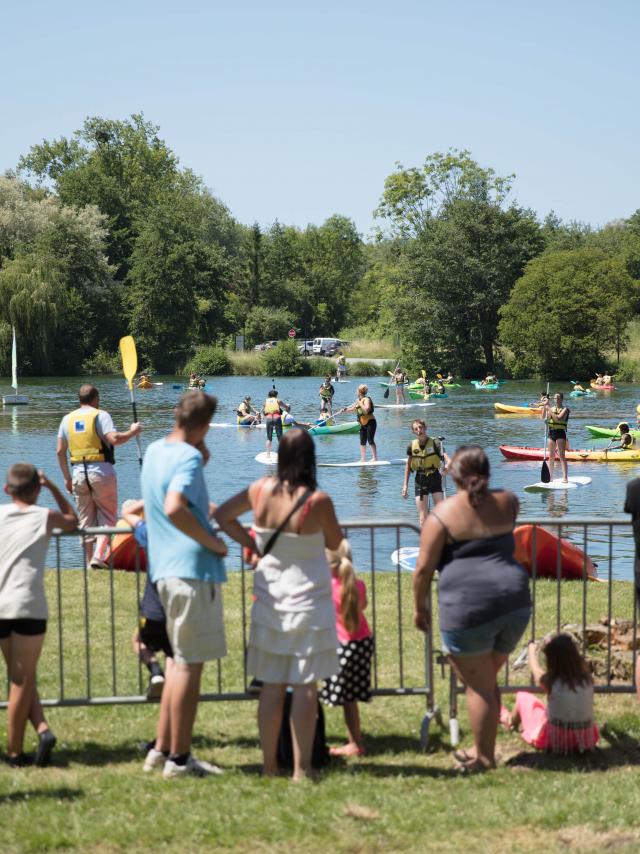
(553, 422)
(243, 410)
(272, 407)
(364, 417)
(427, 459)
(630, 443)
(85, 445)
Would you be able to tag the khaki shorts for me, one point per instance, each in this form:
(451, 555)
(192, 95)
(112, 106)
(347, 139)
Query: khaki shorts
(98, 506)
(195, 624)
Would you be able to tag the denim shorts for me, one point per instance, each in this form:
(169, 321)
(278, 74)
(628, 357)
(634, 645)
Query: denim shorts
(499, 635)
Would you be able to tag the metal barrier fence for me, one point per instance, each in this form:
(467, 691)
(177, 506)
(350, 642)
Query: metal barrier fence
(577, 605)
(88, 659)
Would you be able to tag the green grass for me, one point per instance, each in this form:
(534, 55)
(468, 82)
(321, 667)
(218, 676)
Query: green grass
(371, 348)
(396, 798)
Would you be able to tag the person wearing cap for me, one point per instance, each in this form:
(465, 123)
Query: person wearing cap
(247, 414)
(627, 441)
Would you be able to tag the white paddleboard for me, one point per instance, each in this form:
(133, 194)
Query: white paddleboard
(573, 482)
(340, 381)
(363, 465)
(403, 405)
(267, 459)
(405, 557)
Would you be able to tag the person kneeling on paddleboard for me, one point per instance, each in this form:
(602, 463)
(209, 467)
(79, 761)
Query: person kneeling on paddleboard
(557, 417)
(425, 456)
(364, 409)
(326, 398)
(272, 411)
(246, 413)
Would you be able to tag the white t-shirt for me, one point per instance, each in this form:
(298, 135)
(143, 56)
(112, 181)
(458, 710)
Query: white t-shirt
(104, 425)
(23, 549)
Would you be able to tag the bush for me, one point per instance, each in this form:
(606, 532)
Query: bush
(628, 371)
(319, 366)
(210, 362)
(247, 363)
(283, 360)
(103, 362)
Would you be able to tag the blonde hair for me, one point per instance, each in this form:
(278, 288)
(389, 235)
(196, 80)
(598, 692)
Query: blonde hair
(342, 569)
(363, 389)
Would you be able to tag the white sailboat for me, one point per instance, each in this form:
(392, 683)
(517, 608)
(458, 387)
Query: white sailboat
(14, 399)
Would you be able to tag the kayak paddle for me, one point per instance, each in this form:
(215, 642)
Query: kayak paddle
(545, 476)
(129, 368)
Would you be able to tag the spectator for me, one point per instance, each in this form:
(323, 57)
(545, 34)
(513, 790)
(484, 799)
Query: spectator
(293, 625)
(185, 563)
(90, 436)
(632, 505)
(483, 593)
(26, 531)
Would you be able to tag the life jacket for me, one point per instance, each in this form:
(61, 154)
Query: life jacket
(85, 445)
(243, 410)
(326, 391)
(364, 417)
(630, 443)
(272, 407)
(425, 459)
(553, 422)
(341, 360)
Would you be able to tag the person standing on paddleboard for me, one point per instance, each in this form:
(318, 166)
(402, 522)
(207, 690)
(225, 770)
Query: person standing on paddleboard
(341, 366)
(364, 409)
(400, 380)
(326, 398)
(557, 417)
(272, 411)
(425, 456)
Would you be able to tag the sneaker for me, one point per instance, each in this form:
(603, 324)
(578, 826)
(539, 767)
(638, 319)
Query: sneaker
(153, 760)
(155, 686)
(22, 760)
(46, 743)
(194, 767)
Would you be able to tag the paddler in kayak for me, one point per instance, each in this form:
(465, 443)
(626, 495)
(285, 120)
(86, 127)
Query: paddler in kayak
(326, 398)
(627, 441)
(364, 409)
(557, 417)
(272, 410)
(341, 366)
(288, 420)
(425, 457)
(440, 389)
(490, 379)
(246, 413)
(578, 387)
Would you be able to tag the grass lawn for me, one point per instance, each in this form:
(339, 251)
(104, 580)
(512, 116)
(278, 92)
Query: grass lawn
(96, 796)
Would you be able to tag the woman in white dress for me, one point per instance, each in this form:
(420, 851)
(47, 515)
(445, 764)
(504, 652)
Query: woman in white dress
(293, 628)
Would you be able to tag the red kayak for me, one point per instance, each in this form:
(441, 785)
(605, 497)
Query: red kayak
(573, 561)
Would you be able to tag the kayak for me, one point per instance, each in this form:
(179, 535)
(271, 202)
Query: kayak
(577, 393)
(121, 551)
(518, 410)
(514, 452)
(609, 433)
(418, 386)
(597, 387)
(145, 384)
(421, 396)
(486, 387)
(348, 428)
(533, 541)
(393, 385)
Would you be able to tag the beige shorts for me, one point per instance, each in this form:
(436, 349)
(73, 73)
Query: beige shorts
(98, 506)
(195, 624)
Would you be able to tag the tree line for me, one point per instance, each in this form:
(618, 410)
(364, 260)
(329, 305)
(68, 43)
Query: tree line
(106, 233)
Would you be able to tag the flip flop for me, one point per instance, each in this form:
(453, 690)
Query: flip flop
(463, 756)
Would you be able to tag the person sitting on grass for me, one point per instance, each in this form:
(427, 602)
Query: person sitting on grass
(566, 723)
(26, 531)
(352, 684)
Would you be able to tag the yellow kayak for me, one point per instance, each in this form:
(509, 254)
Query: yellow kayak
(518, 410)
(145, 384)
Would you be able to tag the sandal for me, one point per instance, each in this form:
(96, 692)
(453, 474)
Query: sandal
(463, 756)
(468, 769)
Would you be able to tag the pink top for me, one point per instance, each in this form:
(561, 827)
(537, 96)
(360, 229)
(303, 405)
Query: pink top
(363, 631)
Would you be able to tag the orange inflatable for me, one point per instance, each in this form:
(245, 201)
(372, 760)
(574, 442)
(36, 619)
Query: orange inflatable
(573, 560)
(122, 551)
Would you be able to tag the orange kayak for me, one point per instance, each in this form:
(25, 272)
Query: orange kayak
(533, 539)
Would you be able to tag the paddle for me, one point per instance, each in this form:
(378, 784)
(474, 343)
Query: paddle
(424, 387)
(388, 388)
(545, 475)
(129, 368)
(444, 471)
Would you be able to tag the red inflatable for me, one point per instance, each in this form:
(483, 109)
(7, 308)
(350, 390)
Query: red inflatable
(573, 560)
(122, 551)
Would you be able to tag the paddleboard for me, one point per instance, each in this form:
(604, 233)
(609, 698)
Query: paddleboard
(402, 405)
(574, 482)
(267, 459)
(405, 557)
(362, 465)
(340, 382)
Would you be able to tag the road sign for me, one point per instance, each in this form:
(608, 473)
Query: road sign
(292, 333)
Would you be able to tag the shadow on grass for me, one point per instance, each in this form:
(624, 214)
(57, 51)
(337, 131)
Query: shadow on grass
(63, 793)
(622, 750)
(93, 754)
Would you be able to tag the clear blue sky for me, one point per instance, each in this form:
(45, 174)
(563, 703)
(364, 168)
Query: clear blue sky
(297, 110)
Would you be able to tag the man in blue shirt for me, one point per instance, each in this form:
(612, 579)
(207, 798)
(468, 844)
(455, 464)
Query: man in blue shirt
(185, 564)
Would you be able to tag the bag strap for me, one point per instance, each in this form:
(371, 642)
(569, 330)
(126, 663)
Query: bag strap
(272, 539)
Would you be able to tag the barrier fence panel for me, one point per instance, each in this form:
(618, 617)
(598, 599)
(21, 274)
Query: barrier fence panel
(89, 659)
(600, 615)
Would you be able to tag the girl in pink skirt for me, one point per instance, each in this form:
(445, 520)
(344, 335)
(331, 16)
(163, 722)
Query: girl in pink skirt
(565, 724)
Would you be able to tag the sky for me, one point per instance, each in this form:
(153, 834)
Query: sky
(297, 110)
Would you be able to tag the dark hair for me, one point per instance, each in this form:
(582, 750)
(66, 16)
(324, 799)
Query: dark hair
(470, 470)
(23, 481)
(272, 392)
(87, 393)
(195, 409)
(564, 662)
(297, 459)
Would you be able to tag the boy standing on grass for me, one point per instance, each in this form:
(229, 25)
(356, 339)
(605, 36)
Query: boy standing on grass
(25, 533)
(185, 563)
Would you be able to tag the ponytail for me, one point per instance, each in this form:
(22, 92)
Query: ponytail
(341, 566)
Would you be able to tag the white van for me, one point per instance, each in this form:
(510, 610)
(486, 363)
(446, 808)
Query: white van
(326, 346)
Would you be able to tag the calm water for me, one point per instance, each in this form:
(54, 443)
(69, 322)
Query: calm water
(466, 416)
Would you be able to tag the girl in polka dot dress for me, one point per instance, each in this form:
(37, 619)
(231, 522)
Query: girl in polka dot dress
(355, 648)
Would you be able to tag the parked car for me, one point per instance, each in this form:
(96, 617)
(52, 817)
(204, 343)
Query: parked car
(266, 346)
(305, 348)
(326, 346)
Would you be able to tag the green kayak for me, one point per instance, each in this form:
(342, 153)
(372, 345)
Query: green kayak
(419, 386)
(608, 433)
(418, 395)
(347, 428)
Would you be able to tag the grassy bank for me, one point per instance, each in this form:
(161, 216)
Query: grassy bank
(395, 798)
